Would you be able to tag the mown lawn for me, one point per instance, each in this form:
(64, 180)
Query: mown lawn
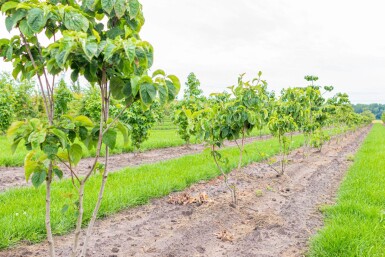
(355, 225)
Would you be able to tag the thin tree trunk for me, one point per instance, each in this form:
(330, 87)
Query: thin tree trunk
(242, 149)
(104, 181)
(51, 244)
(97, 206)
(230, 187)
(79, 220)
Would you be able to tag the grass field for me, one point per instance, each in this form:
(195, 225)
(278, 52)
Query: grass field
(355, 226)
(159, 138)
(22, 218)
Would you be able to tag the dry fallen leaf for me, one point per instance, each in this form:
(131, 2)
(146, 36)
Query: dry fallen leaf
(225, 235)
(185, 198)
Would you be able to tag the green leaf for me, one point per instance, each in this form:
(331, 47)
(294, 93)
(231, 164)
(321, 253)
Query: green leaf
(50, 150)
(75, 21)
(90, 49)
(75, 153)
(74, 75)
(129, 49)
(8, 6)
(38, 178)
(84, 121)
(9, 53)
(134, 8)
(30, 165)
(25, 28)
(14, 127)
(172, 93)
(58, 173)
(109, 138)
(11, 21)
(158, 72)
(135, 85)
(36, 138)
(15, 144)
(120, 8)
(175, 82)
(61, 136)
(147, 93)
(36, 20)
(116, 87)
(108, 5)
(163, 93)
(123, 129)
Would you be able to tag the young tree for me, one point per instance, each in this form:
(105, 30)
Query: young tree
(193, 101)
(62, 97)
(109, 54)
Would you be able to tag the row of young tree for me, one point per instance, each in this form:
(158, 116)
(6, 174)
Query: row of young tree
(99, 40)
(251, 106)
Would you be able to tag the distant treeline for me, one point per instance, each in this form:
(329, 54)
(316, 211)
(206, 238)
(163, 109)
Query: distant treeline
(376, 109)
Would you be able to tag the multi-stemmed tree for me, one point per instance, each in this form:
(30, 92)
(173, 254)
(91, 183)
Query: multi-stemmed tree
(98, 39)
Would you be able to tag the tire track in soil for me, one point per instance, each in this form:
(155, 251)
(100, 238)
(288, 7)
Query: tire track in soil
(14, 176)
(278, 223)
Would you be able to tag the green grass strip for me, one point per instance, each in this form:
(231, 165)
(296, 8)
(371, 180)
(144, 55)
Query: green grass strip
(355, 226)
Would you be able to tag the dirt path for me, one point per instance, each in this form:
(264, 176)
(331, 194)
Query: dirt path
(14, 176)
(275, 217)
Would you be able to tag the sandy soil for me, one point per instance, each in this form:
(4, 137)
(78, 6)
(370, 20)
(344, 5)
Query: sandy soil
(14, 176)
(276, 216)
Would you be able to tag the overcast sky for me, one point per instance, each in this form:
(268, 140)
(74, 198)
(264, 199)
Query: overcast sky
(342, 42)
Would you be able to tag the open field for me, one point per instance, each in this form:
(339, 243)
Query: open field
(273, 213)
(354, 225)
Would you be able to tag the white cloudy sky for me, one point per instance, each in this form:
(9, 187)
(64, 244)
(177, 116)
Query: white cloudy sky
(342, 42)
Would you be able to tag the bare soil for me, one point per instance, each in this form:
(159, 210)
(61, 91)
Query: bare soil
(14, 176)
(275, 216)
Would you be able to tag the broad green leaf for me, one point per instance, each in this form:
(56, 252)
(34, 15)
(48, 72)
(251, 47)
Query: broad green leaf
(134, 6)
(9, 5)
(25, 28)
(120, 8)
(30, 165)
(109, 49)
(61, 135)
(74, 75)
(75, 21)
(75, 153)
(172, 93)
(83, 121)
(129, 49)
(123, 129)
(11, 21)
(50, 150)
(147, 93)
(116, 87)
(36, 138)
(163, 93)
(175, 81)
(35, 19)
(109, 138)
(15, 144)
(58, 172)
(9, 53)
(14, 127)
(158, 72)
(38, 178)
(108, 5)
(90, 49)
(135, 85)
